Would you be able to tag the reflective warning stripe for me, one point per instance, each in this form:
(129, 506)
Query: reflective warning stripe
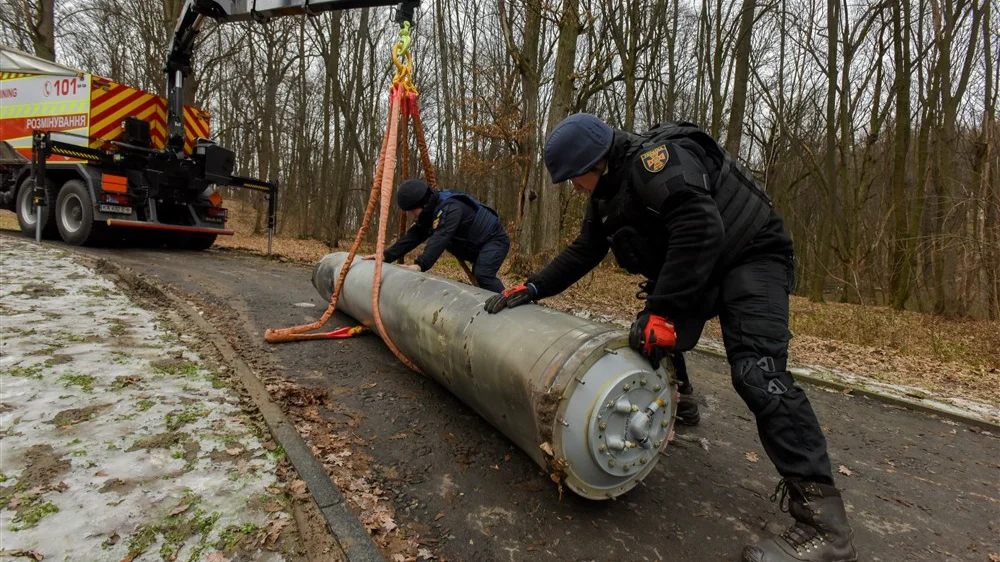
(112, 102)
(42, 109)
(196, 125)
(70, 152)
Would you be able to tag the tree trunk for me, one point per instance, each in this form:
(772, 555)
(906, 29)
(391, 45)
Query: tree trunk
(532, 236)
(824, 242)
(901, 261)
(562, 104)
(735, 131)
(43, 34)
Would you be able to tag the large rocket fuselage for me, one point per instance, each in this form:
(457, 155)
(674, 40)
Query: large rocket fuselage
(569, 392)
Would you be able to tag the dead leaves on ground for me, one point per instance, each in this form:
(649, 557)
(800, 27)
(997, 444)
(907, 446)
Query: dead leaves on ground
(23, 552)
(268, 536)
(342, 454)
(180, 509)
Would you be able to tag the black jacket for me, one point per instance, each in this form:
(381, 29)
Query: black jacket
(658, 207)
(453, 223)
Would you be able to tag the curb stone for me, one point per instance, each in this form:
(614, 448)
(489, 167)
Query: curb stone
(818, 376)
(349, 533)
(898, 396)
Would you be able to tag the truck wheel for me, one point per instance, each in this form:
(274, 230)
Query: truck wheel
(26, 212)
(199, 241)
(75, 214)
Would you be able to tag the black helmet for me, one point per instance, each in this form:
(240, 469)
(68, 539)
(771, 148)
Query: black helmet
(576, 145)
(413, 194)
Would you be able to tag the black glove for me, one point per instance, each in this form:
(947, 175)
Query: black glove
(509, 298)
(652, 336)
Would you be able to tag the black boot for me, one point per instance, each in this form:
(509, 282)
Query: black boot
(687, 408)
(820, 533)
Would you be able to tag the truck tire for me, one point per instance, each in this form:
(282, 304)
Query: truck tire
(75, 214)
(196, 241)
(200, 241)
(26, 212)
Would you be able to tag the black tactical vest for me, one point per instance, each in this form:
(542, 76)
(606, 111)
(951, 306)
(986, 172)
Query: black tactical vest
(631, 219)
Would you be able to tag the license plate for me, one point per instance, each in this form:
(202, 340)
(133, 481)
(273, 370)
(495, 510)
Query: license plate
(119, 209)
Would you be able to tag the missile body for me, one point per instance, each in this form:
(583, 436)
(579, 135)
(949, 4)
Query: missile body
(569, 392)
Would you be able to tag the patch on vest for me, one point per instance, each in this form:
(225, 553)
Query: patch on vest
(437, 220)
(654, 160)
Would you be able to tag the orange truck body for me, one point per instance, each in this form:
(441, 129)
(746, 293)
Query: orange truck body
(87, 105)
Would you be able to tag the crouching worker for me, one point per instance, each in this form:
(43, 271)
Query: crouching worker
(675, 207)
(453, 221)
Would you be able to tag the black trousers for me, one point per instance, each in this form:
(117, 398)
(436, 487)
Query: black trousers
(488, 262)
(753, 311)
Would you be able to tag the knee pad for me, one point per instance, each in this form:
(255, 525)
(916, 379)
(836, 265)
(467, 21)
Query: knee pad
(761, 385)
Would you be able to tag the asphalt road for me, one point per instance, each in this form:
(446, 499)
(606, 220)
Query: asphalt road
(918, 488)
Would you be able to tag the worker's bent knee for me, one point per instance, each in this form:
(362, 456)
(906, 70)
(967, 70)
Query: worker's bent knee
(490, 284)
(762, 386)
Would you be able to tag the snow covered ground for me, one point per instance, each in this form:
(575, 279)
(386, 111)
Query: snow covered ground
(117, 442)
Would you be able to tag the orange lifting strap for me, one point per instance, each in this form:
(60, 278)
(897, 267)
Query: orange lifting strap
(402, 103)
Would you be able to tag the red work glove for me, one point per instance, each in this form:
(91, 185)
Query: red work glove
(509, 298)
(652, 336)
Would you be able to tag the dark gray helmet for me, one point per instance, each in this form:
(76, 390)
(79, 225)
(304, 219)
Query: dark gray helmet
(413, 194)
(576, 145)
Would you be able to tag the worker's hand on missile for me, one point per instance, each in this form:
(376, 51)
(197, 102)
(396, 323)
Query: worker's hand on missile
(412, 267)
(652, 336)
(509, 298)
(368, 257)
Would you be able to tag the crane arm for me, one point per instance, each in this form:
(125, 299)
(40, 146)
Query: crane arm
(193, 15)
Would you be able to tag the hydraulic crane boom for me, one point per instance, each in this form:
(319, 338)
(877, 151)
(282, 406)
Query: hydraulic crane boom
(193, 15)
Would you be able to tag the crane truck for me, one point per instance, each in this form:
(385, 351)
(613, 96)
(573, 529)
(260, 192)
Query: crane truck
(82, 156)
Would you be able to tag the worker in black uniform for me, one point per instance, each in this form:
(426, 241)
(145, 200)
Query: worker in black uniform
(676, 208)
(453, 221)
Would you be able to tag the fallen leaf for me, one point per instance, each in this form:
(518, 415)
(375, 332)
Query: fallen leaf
(234, 451)
(845, 471)
(180, 509)
(216, 557)
(369, 385)
(704, 443)
(33, 554)
(398, 558)
(272, 507)
(298, 487)
(268, 536)
(270, 446)
(425, 554)
(100, 473)
(547, 448)
(994, 557)
(495, 467)
(399, 436)
(752, 456)
(438, 516)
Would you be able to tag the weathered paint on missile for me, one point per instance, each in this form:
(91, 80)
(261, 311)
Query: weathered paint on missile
(567, 391)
